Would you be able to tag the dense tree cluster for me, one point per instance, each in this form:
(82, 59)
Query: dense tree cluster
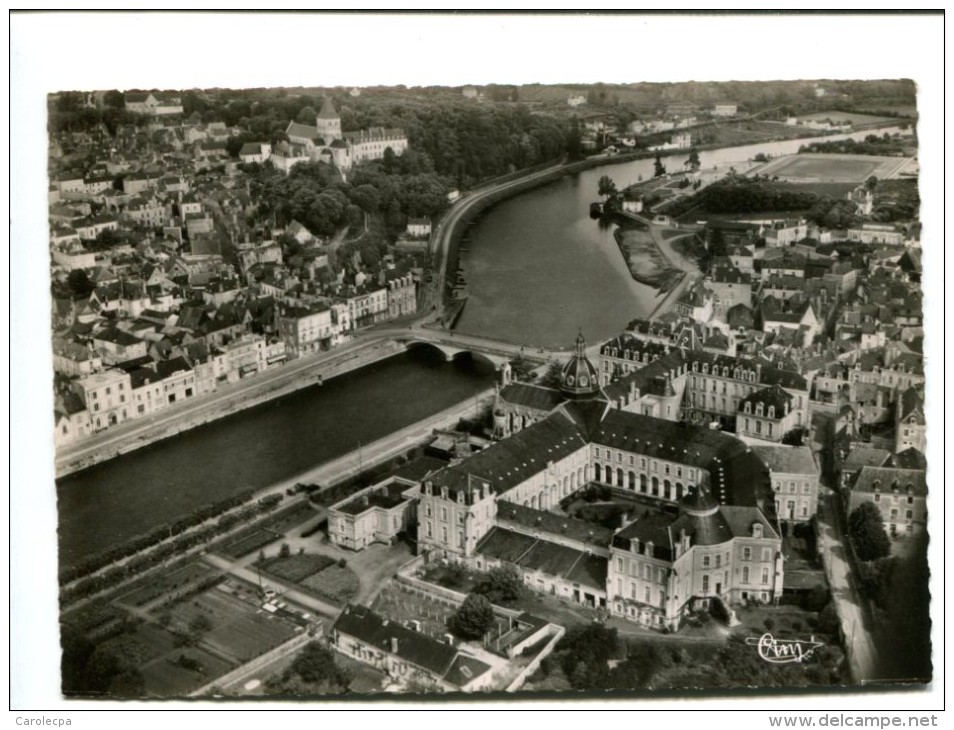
(867, 532)
(466, 142)
(314, 671)
(68, 112)
(315, 195)
(886, 146)
(91, 670)
(738, 194)
(501, 585)
(473, 618)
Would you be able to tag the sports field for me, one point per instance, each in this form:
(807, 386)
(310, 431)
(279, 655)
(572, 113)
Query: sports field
(830, 168)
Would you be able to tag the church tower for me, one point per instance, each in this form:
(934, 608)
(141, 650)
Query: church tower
(328, 122)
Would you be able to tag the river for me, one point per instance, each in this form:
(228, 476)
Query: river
(108, 503)
(539, 269)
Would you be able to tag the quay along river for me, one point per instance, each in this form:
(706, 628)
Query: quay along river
(109, 503)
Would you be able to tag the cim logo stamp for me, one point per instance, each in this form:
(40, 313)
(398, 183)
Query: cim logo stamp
(784, 651)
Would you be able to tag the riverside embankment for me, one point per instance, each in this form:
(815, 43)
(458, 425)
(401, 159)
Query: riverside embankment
(260, 446)
(227, 400)
(74, 546)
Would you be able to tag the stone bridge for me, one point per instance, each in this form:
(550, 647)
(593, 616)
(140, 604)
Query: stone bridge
(493, 351)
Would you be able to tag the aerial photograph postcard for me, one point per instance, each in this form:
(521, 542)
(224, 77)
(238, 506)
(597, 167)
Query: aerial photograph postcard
(496, 389)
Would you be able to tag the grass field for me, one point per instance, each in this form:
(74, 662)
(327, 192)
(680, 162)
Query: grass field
(153, 586)
(837, 168)
(295, 568)
(746, 132)
(339, 584)
(240, 631)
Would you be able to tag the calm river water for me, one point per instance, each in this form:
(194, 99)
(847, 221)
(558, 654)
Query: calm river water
(113, 501)
(538, 268)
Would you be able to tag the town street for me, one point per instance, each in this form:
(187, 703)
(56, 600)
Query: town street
(832, 542)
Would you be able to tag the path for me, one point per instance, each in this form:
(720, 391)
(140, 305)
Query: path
(288, 590)
(862, 654)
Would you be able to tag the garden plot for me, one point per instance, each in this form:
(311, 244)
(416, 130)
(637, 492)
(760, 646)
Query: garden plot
(230, 627)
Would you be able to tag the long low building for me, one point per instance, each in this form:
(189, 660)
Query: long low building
(405, 654)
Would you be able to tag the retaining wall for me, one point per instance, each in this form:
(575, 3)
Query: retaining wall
(244, 670)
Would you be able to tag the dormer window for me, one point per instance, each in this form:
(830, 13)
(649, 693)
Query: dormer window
(649, 549)
(757, 529)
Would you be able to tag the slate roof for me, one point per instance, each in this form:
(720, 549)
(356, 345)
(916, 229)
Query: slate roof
(418, 468)
(787, 459)
(538, 554)
(910, 458)
(505, 545)
(862, 456)
(165, 368)
(534, 397)
(889, 478)
(251, 148)
(773, 396)
(513, 460)
(554, 524)
(413, 647)
(740, 316)
(728, 460)
(912, 406)
(386, 496)
(654, 527)
(328, 110)
(740, 521)
(117, 337)
(305, 131)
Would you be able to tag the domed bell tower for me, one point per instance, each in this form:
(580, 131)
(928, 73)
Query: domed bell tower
(579, 379)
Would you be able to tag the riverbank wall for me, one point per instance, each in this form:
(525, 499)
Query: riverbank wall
(247, 395)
